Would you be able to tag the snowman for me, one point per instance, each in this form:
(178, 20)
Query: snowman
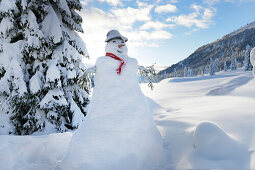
(119, 132)
(252, 59)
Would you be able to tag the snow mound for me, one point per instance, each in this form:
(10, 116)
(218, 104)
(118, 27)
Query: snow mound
(247, 90)
(32, 152)
(230, 86)
(214, 148)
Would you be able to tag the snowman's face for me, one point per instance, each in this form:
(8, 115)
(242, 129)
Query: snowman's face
(116, 46)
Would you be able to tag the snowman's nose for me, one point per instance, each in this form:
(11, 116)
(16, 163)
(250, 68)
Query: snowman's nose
(121, 46)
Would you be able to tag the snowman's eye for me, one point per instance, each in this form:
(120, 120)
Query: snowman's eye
(113, 41)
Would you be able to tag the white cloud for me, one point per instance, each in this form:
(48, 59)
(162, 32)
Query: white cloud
(191, 31)
(142, 36)
(211, 2)
(112, 2)
(156, 25)
(141, 4)
(165, 8)
(173, 1)
(84, 3)
(200, 18)
(130, 15)
(98, 22)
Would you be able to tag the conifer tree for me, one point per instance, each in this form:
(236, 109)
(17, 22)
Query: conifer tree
(165, 75)
(216, 65)
(207, 69)
(39, 81)
(225, 65)
(233, 61)
(190, 72)
(175, 73)
(247, 63)
(202, 71)
(185, 72)
(211, 67)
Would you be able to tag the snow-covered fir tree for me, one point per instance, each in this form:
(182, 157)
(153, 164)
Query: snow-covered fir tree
(202, 71)
(233, 61)
(216, 65)
(165, 75)
(185, 72)
(190, 72)
(175, 73)
(225, 65)
(207, 69)
(211, 67)
(247, 63)
(40, 64)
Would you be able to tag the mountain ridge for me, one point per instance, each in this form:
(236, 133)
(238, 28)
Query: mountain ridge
(220, 49)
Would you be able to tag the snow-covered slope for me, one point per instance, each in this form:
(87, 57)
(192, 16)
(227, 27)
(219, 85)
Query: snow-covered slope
(206, 122)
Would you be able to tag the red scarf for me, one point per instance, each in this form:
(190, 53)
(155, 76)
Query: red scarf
(116, 58)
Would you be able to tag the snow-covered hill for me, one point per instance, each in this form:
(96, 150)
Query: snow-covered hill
(221, 49)
(205, 122)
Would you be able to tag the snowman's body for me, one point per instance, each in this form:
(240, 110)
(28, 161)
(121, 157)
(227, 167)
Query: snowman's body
(119, 132)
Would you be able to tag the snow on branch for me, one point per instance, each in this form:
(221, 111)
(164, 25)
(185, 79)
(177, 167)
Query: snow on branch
(85, 79)
(148, 73)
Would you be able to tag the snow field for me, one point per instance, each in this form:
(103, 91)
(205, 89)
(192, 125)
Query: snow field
(202, 129)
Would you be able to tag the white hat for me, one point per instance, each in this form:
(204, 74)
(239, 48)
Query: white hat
(114, 34)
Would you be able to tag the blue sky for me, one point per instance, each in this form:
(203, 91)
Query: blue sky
(162, 31)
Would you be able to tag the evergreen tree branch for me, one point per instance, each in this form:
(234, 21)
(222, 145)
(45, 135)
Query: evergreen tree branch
(149, 74)
(85, 79)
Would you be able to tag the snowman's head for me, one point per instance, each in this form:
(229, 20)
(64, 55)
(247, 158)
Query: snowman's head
(117, 47)
(116, 43)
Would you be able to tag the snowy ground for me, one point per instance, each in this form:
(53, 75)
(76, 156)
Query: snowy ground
(183, 108)
(206, 122)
